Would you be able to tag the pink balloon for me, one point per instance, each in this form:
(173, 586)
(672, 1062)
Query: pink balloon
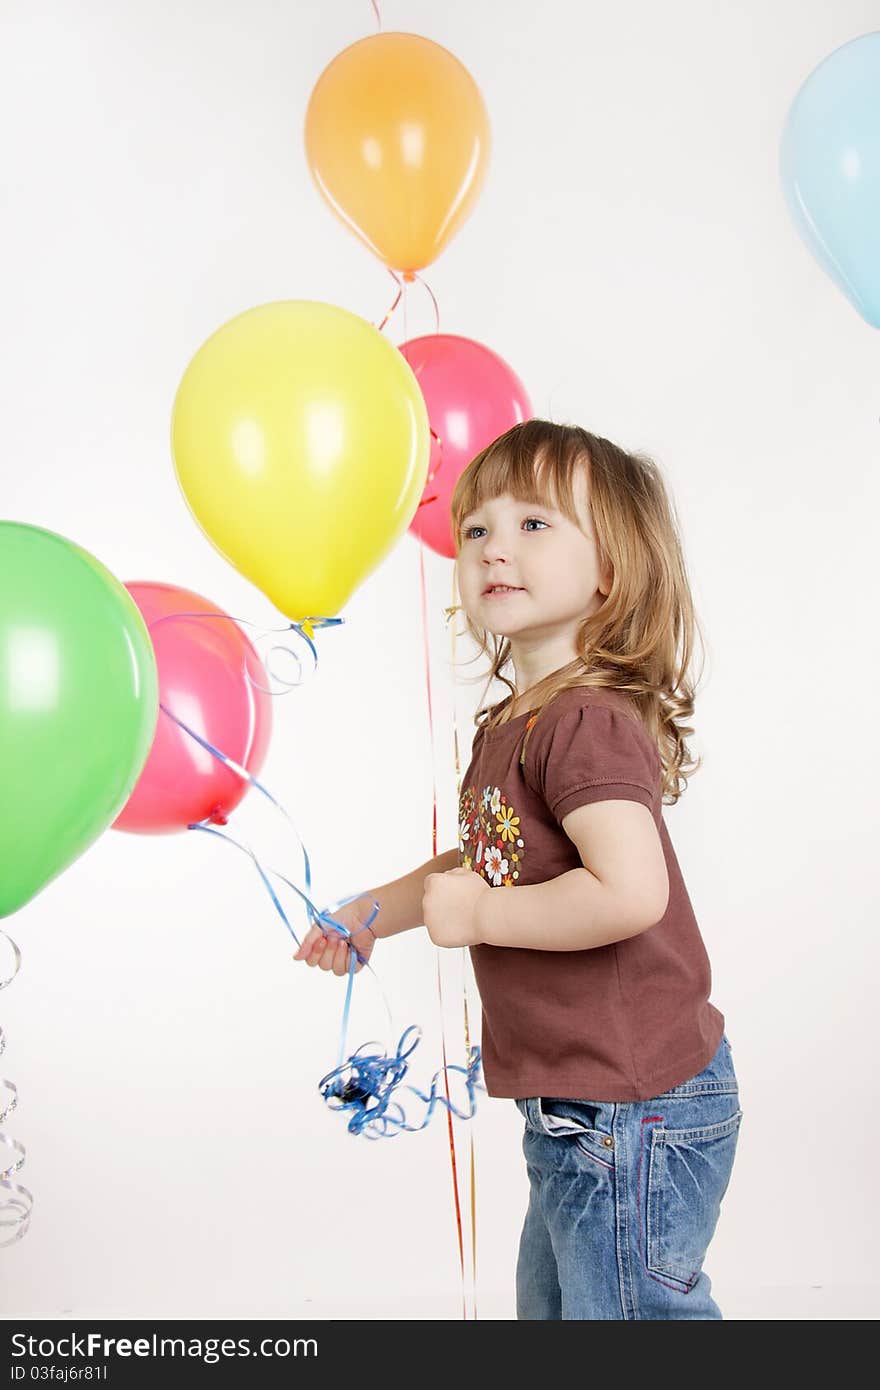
(211, 678)
(472, 396)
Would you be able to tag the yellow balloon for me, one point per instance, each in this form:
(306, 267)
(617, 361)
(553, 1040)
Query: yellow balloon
(397, 139)
(301, 442)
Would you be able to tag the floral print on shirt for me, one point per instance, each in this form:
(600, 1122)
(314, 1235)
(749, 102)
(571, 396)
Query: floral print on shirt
(489, 839)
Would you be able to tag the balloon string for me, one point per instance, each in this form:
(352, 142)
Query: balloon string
(401, 294)
(357, 1081)
(325, 916)
(425, 500)
(366, 1082)
(433, 301)
(431, 476)
(432, 497)
(368, 1086)
(378, 16)
(396, 301)
(314, 913)
(451, 1132)
(21, 1199)
(417, 371)
(305, 629)
(465, 960)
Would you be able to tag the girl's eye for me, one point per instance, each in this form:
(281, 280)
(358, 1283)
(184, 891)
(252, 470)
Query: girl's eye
(471, 529)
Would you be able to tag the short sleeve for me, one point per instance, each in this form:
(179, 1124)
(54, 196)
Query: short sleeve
(590, 753)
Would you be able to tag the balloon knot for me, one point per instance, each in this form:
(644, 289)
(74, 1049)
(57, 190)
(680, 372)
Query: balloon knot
(217, 817)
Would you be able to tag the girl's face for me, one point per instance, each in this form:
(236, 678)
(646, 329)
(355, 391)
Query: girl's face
(551, 563)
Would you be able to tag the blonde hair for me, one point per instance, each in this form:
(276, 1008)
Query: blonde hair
(641, 640)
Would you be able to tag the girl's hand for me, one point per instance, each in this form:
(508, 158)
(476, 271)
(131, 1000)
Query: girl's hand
(450, 906)
(329, 950)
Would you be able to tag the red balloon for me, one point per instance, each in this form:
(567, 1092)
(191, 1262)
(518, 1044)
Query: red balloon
(472, 396)
(211, 679)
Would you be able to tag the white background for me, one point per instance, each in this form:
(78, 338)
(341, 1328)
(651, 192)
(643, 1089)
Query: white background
(632, 258)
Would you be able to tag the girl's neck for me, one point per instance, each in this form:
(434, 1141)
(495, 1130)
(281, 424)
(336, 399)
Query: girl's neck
(522, 703)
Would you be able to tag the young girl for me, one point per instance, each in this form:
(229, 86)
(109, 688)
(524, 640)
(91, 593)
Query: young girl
(593, 976)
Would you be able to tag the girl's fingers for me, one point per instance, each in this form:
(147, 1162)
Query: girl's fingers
(329, 956)
(340, 959)
(330, 950)
(317, 949)
(313, 937)
(305, 945)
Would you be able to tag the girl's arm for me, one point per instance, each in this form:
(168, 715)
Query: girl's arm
(400, 901)
(400, 908)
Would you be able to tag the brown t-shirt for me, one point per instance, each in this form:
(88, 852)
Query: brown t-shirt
(619, 1022)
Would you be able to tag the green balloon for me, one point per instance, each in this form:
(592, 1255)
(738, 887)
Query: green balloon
(79, 699)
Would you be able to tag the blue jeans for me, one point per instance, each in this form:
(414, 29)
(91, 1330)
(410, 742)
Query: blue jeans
(624, 1199)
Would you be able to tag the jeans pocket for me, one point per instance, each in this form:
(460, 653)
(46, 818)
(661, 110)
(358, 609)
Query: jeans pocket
(688, 1174)
(587, 1122)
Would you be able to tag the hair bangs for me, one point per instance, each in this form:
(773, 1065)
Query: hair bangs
(531, 463)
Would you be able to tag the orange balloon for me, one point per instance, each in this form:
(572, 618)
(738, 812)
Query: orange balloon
(397, 139)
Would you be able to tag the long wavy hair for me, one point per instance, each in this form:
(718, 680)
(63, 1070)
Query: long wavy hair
(641, 640)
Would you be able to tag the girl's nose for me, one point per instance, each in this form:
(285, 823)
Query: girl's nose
(495, 548)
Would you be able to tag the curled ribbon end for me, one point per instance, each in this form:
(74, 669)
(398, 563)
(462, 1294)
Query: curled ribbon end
(366, 1084)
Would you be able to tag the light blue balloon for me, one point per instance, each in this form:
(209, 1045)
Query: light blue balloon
(830, 168)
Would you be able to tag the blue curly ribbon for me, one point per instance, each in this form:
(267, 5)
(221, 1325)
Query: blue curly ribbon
(364, 1084)
(367, 1081)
